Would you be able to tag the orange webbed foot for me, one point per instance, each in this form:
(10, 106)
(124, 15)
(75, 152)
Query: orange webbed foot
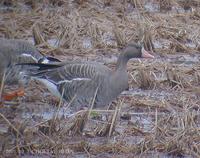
(14, 94)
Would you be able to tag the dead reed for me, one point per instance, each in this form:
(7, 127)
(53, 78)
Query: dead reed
(163, 117)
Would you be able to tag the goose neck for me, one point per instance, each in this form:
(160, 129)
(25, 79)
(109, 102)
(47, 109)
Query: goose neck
(122, 62)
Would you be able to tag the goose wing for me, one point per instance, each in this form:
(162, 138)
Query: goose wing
(80, 79)
(71, 71)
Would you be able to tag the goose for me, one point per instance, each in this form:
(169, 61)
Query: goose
(15, 51)
(79, 82)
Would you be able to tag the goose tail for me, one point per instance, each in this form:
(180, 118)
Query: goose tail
(43, 63)
(39, 66)
(37, 70)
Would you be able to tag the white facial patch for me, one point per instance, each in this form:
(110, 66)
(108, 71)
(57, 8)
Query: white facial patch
(145, 54)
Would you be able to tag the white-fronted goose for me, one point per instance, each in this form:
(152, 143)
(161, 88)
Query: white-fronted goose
(80, 80)
(13, 51)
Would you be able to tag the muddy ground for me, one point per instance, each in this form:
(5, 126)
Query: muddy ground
(159, 115)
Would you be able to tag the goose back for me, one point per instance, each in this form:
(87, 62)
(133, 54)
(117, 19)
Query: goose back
(14, 51)
(17, 47)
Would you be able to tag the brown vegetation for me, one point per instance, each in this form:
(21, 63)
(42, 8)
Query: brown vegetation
(162, 106)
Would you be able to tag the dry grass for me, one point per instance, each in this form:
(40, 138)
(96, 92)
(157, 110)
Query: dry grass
(162, 118)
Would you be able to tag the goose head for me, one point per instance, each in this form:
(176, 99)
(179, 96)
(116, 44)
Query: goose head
(132, 50)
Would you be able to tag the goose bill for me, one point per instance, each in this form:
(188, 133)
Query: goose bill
(145, 54)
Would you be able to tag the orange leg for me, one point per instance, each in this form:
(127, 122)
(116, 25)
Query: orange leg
(14, 94)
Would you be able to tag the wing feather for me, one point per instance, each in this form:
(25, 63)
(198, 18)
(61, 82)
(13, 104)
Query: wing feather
(71, 71)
